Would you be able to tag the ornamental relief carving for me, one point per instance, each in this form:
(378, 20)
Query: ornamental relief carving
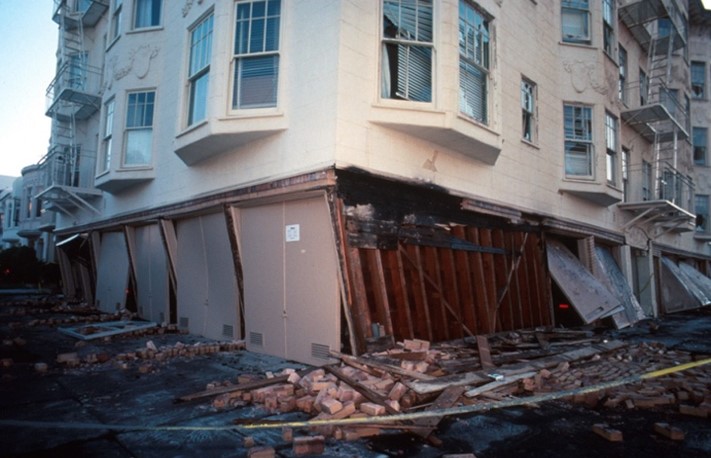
(138, 62)
(584, 75)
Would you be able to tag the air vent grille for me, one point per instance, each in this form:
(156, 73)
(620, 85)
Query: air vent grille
(256, 338)
(320, 351)
(228, 331)
(183, 322)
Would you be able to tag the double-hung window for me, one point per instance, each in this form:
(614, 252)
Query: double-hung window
(578, 141)
(528, 110)
(106, 141)
(407, 50)
(611, 147)
(474, 48)
(701, 204)
(625, 174)
(700, 139)
(116, 13)
(608, 26)
(256, 54)
(575, 16)
(622, 81)
(199, 71)
(647, 180)
(146, 13)
(643, 88)
(139, 128)
(698, 80)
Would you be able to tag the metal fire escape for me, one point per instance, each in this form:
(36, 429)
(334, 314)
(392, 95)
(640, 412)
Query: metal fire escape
(73, 97)
(661, 196)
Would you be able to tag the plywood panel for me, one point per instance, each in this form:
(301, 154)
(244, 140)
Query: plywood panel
(191, 273)
(586, 294)
(313, 296)
(151, 274)
(262, 242)
(112, 272)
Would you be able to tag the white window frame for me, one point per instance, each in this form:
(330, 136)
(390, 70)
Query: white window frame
(580, 11)
(267, 49)
(116, 21)
(154, 17)
(529, 108)
(407, 60)
(199, 69)
(140, 126)
(611, 142)
(579, 147)
(475, 45)
(104, 164)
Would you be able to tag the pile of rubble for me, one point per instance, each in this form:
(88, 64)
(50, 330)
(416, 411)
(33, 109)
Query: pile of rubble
(416, 377)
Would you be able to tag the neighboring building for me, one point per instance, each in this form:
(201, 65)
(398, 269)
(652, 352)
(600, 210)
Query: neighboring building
(314, 175)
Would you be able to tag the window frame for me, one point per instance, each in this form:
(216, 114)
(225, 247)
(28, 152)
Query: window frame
(704, 148)
(643, 88)
(700, 83)
(578, 8)
(157, 18)
(586, 140)
(238, 58)
(608, 26)
(107, 136)
(611, 147)
(413, 80)
(623, 72)
(201, 73)
(116, 21)
(475, 65)
(529, 117)
(129, 128)
(703, 225)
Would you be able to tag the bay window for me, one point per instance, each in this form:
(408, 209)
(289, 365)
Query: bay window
(474, 49)
(199, 71)
(139, 128)
(578, 141)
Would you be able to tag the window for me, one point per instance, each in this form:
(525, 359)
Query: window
(625, 174)
(608, 26)
(698, 80)
(701, 208)
(146, 13)
(199, 71)
(576, 21)
(407, 50)
(116, 20)
(256, 54)
(474, 44)
(139, 128)
(578, 141)
(528, 110)
(106, 142)
(643, 87)
(622, 82)
(646, 180)
(611, 147)
(700, 139)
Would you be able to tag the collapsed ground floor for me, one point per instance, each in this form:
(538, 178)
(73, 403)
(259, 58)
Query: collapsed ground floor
(341, 260)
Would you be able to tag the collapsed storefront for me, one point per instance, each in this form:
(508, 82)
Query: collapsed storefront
(342, 260)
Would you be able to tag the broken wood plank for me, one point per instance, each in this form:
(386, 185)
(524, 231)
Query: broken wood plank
(482, 344)
(498, 384)
(106, 329)
(445, 400)
(481, 377)
(381, 366)
(241, 386)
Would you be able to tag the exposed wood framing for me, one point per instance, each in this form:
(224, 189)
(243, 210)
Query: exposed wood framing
(233, 232)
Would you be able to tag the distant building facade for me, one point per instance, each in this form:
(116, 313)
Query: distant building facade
(319, 175)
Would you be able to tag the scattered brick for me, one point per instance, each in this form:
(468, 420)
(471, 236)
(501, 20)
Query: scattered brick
(308, 445)
(603, 430)
(668, 431)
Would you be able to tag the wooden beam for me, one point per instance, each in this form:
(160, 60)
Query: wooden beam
(361, 314)
(423, 290)
(405, 295)
(380, 293)
(465, 289)
(489, 272)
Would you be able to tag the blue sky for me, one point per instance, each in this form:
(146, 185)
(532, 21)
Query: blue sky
(28, 42)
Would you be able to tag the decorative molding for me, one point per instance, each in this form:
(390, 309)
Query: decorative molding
(138, 62)
(584, 75)
(188, 5)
